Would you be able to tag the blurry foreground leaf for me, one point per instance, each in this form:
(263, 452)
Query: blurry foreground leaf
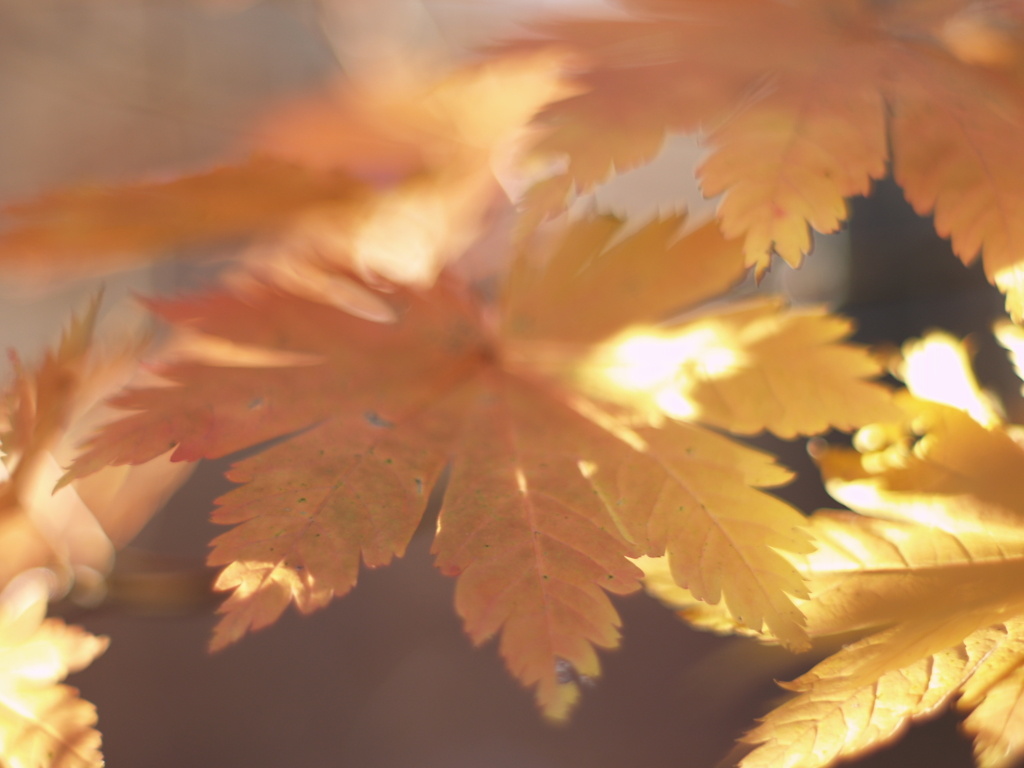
(389, 180)
(44, 415)
(43, 724)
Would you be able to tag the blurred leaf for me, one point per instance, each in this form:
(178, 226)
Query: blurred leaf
(43, 724)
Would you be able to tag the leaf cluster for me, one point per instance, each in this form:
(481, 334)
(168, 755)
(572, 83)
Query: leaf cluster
(408, 310)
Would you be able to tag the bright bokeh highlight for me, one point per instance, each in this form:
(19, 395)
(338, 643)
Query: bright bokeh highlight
(654, 370)
(937, 368)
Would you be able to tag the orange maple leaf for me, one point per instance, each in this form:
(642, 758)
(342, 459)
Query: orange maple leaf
(556, 479)
(799, 102)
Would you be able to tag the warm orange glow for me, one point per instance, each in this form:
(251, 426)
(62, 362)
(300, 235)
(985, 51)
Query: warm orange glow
(653, 370)
(937, 368)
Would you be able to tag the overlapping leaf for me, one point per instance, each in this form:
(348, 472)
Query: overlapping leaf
(793, 101)
(940, 564)
(554, 483)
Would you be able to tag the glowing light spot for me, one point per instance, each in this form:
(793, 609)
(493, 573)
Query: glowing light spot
(937, 368)
(673, 403)
(521, 480)
(655, 370)
(651, 360)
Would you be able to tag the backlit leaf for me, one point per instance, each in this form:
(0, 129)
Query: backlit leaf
(43, 724)
(796, 101)
(938, 566)
(553, 486)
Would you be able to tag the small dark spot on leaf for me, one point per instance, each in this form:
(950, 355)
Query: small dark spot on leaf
(256, 403)
(377, 420)
(419, 486)
(566, 673)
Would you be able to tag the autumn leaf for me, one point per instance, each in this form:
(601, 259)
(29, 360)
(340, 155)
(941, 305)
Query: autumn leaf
(554, 483)
(798, 104)
(43, 724)
(89, 229)
(44, 415)
(937, 567)
(389, 180)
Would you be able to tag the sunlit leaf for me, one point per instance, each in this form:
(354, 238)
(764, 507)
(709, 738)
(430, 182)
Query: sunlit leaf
(937, 566)
(44, 416)
(798, 103)
(552, 486)
(43, 724)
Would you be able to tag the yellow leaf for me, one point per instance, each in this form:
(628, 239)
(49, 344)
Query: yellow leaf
(997, 722)
(937, 368)
(43, 724)
(943, 577)
(957, 475)
(837, 716)
(744, 368)
(791, 159)
(659, 582)
(798, 103)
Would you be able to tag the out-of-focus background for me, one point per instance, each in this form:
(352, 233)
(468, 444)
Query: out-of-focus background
(96, 91)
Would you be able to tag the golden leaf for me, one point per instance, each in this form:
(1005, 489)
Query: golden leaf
(938, 566)
(798, 102)
(43, 724)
